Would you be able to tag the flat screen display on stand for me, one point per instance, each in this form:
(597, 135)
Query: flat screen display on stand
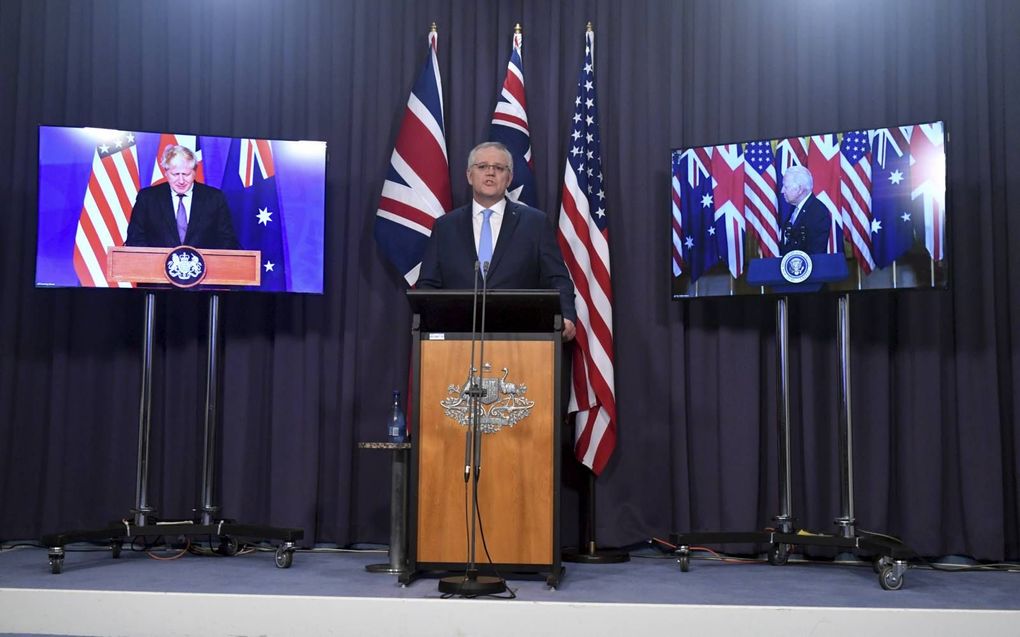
(841, 211)
(89, 180)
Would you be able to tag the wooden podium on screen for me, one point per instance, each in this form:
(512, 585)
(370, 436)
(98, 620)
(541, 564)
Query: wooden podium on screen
(518, 487)
(146, 265)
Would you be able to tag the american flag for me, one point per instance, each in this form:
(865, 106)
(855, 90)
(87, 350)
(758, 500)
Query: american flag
(106, 208)
(678, 216)
(417, 187)
(510, 126)
(173, 139)
(823, 162)
(584, 241)
(760, 205)
(855, 195)
(728, 175)
(928, 181)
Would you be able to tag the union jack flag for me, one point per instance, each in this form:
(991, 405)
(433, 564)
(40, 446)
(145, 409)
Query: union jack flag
(417, 187)
(106, 208)
(823, 162)
(760, 205)
(728, 176)
(928, 181)
(855, 195)
(172, 139)
(584, 240)
(510, 126)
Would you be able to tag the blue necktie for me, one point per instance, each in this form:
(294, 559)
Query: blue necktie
(485, 241)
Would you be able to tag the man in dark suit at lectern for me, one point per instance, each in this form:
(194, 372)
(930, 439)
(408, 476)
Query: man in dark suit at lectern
(181, 211)
(514, 243)
(809, 224)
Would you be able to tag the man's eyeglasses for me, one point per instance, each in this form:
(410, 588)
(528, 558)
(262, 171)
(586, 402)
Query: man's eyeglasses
(484, 168)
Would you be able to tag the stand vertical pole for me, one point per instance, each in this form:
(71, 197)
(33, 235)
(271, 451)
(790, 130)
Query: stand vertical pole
(846, 521)
(785, 518)
(209, 508)
(142, 508)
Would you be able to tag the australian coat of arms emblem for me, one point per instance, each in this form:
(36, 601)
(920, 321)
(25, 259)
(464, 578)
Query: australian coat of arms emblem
(503, 403)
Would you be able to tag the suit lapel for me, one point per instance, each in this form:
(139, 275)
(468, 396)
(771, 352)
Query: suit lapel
(506, 233)
(170, 214)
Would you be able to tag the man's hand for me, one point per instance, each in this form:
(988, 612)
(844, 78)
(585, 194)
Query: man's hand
(568, 330)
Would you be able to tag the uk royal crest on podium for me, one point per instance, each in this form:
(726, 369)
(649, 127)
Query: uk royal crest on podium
(184, 267)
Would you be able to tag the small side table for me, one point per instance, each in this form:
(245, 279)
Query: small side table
(398, 507)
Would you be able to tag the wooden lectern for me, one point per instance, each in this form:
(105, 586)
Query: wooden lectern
(145, 265)
(518, 487)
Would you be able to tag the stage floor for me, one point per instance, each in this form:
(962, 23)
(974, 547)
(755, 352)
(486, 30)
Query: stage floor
(331, 593)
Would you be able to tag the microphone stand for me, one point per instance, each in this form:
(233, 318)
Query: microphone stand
(471, 584)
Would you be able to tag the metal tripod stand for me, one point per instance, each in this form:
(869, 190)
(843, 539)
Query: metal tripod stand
(143, 522)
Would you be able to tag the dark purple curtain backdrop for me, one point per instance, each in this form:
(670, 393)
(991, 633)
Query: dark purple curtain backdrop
(934, 374)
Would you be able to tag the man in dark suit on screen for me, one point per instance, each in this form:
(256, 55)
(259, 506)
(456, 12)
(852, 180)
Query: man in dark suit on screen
(516, 241)
(809, 224)
(181, 211)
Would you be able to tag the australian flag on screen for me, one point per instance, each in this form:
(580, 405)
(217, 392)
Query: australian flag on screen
(700, 244)
(892, 225)
(249, 183)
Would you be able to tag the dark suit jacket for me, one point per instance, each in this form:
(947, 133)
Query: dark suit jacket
(154, 220)
(526, 255)
(811, 232)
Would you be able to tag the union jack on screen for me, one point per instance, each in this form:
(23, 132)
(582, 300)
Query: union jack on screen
(188, 141)
(510, 126)
(584, 240)
(106, 208)
(417, 187)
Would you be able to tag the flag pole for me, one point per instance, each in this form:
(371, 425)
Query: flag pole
(589, 553)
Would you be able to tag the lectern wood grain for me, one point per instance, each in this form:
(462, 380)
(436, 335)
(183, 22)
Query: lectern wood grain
(515, 490)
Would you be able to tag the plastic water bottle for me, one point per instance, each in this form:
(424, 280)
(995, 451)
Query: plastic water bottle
(397, 424)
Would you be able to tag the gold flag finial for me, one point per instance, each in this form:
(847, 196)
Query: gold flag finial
(589, 29)
(517, 28)
(433, 28)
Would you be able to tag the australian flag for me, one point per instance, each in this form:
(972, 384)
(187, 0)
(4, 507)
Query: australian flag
(249, 183)
(510, 126)
(700, 244)
(892, 225)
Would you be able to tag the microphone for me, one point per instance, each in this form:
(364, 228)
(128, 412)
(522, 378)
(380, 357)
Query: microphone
(481, 370)
(471, 385)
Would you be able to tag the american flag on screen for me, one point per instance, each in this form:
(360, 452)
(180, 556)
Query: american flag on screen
(928, 181)
(761, 207)
(855, 195)
(728, 177)
(678, 216)
(417, 187)
(584, 241)
(510, 126)
(172, 139)
(106, 208)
